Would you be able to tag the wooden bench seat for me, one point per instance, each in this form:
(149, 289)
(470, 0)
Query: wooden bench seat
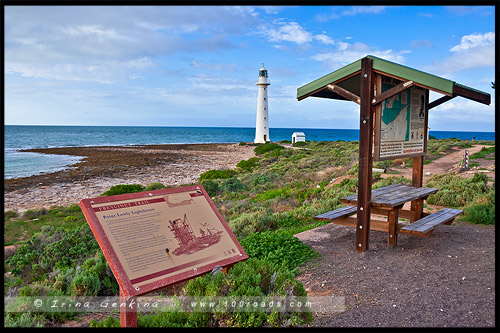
(337, 213)
(426, 224)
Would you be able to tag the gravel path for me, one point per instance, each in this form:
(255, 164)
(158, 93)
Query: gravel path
(446, 280)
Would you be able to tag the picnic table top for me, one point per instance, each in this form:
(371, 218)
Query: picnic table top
(393, 195)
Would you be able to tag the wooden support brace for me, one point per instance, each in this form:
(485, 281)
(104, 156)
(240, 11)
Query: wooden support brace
(391, 92)
(439, 101)
(344, 93)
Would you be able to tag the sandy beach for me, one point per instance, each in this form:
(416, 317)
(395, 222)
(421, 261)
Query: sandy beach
(103, 167)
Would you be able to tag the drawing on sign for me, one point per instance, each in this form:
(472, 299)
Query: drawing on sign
(402, 122)
(188, 241)
(396, 116)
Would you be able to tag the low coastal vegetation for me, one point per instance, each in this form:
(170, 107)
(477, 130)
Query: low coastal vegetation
(265, 200)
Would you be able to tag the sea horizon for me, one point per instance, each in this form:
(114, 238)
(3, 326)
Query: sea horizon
(24, 164)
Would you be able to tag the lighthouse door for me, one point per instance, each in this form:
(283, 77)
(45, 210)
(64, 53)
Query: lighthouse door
(265, 138)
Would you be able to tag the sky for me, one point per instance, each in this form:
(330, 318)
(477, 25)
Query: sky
(198, 66)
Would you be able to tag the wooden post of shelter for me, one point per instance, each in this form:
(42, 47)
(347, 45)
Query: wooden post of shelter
(365, 155)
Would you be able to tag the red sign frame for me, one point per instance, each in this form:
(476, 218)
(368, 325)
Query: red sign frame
(200, 266)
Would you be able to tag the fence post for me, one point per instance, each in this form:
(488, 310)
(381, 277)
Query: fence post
(466, 160)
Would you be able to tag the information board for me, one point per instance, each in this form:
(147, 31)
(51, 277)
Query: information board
(401, 123)
(157, 238)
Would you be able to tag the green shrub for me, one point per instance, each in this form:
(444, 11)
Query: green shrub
(10, 214)
(481, 210)
(252, 278)
(211, 186)
(479, 178)
(259, 179)
(264, 148)
(456, 191)
(34, 213)
(382, 182)
(249, 223)
(248, 164)
(52, 248)
(271, 194)
(24, 319)
(217, 174)
(85, 285)
(122, 189)
(279, 248)
(233, 185)
(483, 152)
(154, 186)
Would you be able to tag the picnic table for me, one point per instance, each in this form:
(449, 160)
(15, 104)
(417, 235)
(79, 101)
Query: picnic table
(388, 201)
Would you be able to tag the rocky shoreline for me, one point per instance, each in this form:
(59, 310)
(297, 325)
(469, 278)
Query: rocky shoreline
(103, 167)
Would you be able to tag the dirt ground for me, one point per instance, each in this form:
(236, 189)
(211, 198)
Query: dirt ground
(103, 167)
(446, 280)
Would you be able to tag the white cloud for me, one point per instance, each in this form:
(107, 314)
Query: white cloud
(345, 53)
(465, 114)
(474, 51)
(106, 45)
(475, 40)
(364, 10)
(354, 10)
(324, 39)
(290, 32)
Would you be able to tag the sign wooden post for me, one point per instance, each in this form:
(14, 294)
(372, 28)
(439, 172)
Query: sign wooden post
(128, 312)
(157, 238)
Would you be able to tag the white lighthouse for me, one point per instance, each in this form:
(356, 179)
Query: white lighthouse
(262, 124)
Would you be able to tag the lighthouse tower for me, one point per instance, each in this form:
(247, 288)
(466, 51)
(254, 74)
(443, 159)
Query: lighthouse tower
(262, 124)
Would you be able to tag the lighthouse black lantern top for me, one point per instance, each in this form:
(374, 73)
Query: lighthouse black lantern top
(263, 71)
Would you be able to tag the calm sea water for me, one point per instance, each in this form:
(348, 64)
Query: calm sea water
(21, 164)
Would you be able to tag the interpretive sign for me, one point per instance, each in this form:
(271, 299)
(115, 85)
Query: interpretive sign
(401, 123)
(157, 238)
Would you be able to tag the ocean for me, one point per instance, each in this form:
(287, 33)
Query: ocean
(23, 164)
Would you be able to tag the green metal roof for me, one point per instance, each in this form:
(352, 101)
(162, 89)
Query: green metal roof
(348, 77)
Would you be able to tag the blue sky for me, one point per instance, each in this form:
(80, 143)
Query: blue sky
(197, 66)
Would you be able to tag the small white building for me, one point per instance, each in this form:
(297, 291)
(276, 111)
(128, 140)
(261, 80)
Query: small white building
(298, 137)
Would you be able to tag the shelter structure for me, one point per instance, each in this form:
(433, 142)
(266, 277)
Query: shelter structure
(394, 106)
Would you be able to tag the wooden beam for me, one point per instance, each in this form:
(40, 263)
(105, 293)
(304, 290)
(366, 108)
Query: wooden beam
(391, 92)
(365, 155)
(472, 94)
(344, 93)
(440, 101)
(376, 225)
